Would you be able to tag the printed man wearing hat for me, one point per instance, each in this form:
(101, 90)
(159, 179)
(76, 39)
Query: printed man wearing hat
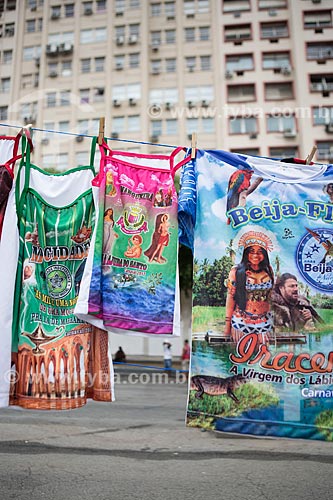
(249, 287)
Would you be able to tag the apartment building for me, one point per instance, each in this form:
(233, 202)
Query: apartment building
(247, 75)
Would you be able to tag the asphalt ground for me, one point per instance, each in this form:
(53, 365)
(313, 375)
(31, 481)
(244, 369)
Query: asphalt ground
(139, 448)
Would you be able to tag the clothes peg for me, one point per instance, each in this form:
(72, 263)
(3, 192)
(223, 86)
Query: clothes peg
(193, 144)
(101, 134)
(311, 155)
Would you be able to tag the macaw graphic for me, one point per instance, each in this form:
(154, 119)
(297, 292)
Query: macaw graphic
(327, 244)
(239, 188)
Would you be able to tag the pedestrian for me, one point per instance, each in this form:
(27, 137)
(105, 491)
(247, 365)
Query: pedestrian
(167, 355)
(186, 354)
(120, 356)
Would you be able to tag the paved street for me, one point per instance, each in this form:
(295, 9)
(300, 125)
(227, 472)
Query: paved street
(139, 448)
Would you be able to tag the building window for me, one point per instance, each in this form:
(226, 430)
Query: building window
(190, 63)
(283, 152)
(204, 33)
(99, 64)
(192, 125)
(9, 30)
(52, 69)
(189, 8)
(27, 81)
(208, 125)
(171, 126)
(325, 150)
(134, 4)
(99, 94)
(199, 94)
(278, 91)
(3, 112)
(189, 34)
(281, 124)
(161, 96)
(5, 85)
(237, 33)
(242, 62)
(119, 7)
(170, 10)
(65, 98)
(85, 65)
(203, 6)
(64, 126)
(30, 26)
(241, 93)
(93, 35)
(119, 61)
(101, 6)
(243, 125)
(156, 127)
(272, 4)
(87, 8)
(134, 30)
(276, 60)
(322, 115)
(319, 51)
(84, 96)
(155, 38)
(156, 9)
(246, 151)
(236, 5)
(66, 68)
(274, 31)
(69, 10)
(170, 36)
(318, 20)
(51, 99)
(7, 57)
(55, 11)
(170, 65)
(134, 60)
(205, 63)
(133, 123)
(321, 83)
(156, 66)
(118, 124)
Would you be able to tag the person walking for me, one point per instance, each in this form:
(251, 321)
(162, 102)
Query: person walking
(167, 355)
(186, 354)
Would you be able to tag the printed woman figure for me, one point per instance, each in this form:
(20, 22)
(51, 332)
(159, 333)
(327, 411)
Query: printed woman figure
(160, 239)
(249, 287)
(109, 234)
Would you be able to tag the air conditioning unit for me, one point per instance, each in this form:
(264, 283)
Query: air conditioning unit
(99, 91)
(229, 74)
(329, 128)
(155, 71)
(286, 70)
(65, 48)
(191, 68)
(120, 40)
(253, 135)
(51, 49)
(53, 74)
(45, 141)
(33, 7)
(132, 101)
(155, 45)
(119, 66)
(237, 14)
(79, 138)
(170, 18)
(119, 12)
(289, 134)
(167, 106)
(154, 138)
(114, 135)
(116, 103)
(316, 1)
(37, 62)
(190, 104)
(88, 12)
(272, 13)
(133, 39)
(204, 103)
(55, 15)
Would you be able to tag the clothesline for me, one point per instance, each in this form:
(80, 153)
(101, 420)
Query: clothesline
(90, 136)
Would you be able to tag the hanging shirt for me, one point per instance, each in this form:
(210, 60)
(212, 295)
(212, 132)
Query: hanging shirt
(262, 234)
(59, 360)
(130, 282)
